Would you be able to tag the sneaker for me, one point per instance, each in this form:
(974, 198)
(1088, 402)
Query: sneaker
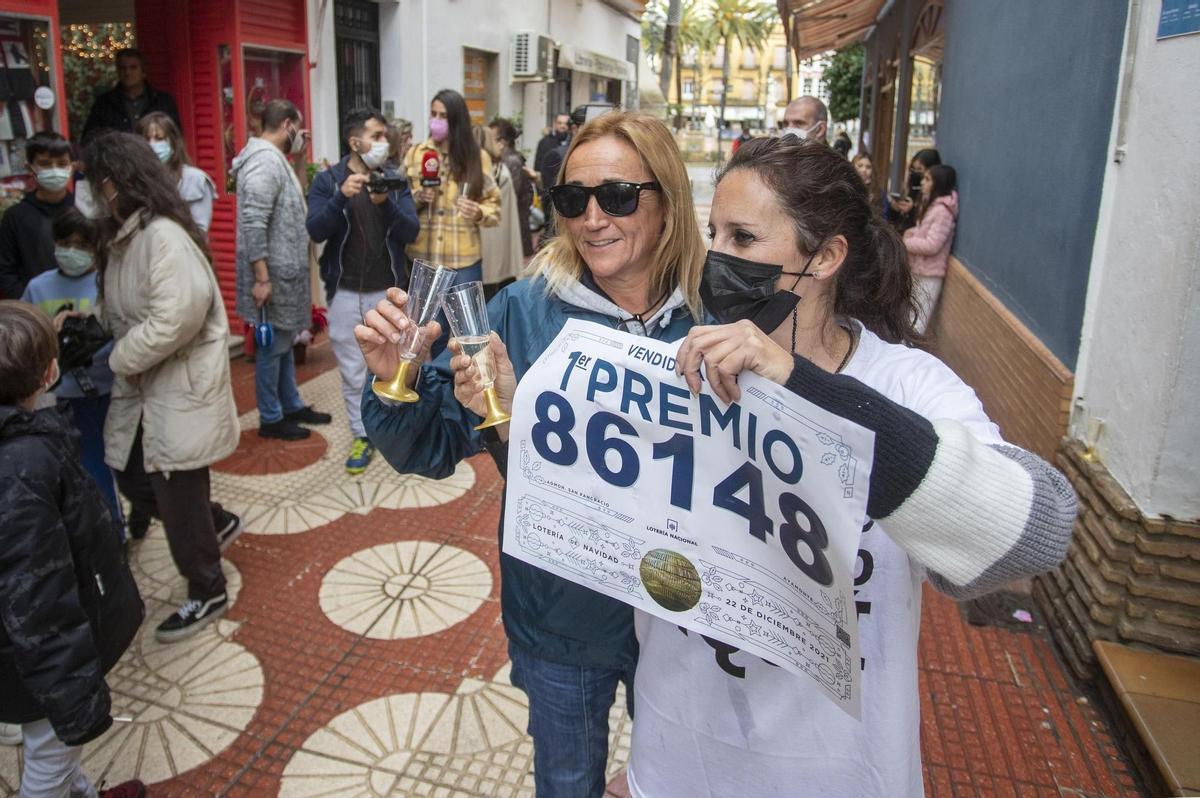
(284, 430)
(189, 619)
(360, 456)
(10, 734)
(229, 529)
(126, 789)
(138, 524)
(306, 415)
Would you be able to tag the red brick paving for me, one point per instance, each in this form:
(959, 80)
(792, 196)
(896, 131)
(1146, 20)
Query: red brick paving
(999, 715)
(255, 455)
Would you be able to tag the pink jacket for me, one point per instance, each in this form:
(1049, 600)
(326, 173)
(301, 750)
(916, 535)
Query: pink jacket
(928, 243)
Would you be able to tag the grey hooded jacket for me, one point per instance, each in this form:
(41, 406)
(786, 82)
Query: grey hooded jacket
(270, 224)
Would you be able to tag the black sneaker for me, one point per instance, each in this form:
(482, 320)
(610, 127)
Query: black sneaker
(284, 430)
(229, 527)
(138, 523)
(306, 415)
(189, 619)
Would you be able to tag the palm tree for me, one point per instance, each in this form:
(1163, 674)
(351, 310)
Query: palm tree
(746, 21)
(696, 34)
(670, 45)
(653, 25)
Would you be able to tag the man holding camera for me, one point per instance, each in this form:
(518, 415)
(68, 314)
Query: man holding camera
(364, 213)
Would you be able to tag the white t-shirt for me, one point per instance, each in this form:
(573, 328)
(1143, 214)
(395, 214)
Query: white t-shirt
(713, 721)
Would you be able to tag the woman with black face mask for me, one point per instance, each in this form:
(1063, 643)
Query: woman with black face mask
(813, 292)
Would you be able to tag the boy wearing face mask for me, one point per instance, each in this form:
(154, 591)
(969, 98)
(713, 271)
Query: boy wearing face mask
(71, 289)
(365, 233)
(26, 248)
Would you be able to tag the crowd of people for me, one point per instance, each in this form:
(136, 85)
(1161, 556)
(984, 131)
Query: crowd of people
(115, 382)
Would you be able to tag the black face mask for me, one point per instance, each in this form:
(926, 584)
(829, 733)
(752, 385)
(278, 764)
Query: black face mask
(734, 289)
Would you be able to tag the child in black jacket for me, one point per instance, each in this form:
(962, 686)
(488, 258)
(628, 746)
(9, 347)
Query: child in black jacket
(63, 574)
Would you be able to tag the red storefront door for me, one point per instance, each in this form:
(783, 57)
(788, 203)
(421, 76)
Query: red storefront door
(223, 60)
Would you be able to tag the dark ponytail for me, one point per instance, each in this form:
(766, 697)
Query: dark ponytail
(825, 197)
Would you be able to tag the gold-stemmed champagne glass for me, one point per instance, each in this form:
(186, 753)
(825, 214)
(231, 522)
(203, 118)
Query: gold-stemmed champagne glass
(425, 288)
(466, 310)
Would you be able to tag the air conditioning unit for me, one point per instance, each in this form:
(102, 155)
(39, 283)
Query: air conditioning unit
(532, 57)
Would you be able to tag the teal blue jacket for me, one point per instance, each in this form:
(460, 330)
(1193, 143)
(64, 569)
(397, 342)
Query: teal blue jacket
(550, 617)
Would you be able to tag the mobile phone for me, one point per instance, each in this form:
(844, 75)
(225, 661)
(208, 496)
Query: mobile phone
(894, 196)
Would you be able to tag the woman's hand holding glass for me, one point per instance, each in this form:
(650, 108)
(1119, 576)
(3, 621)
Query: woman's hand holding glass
(726, 351)
(387, 326)
(470, 383)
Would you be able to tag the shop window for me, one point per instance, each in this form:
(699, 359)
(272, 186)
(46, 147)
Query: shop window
(28, 103)
(923, 104)
(268, 75)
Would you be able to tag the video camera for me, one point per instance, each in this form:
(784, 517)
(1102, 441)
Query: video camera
(381, 184)
(79, 340)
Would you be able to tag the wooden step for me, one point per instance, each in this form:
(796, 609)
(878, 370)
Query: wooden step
(1160, 694)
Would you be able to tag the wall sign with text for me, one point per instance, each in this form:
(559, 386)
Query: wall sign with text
(740, 522)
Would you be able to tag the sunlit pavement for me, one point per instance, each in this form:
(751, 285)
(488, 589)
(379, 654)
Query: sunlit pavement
(363, 653)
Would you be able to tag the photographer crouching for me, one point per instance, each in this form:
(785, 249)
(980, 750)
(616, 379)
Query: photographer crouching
(364, 213)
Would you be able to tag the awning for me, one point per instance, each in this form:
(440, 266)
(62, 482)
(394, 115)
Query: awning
(571, 57)
(815, 26)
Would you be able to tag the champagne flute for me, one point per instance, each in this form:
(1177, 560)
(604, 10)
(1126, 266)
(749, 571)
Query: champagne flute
(425, 288)
(466, 310)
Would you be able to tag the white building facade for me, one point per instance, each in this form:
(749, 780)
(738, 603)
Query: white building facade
(424, 46)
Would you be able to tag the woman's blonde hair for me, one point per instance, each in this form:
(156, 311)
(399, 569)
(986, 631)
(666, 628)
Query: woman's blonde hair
(679, 257)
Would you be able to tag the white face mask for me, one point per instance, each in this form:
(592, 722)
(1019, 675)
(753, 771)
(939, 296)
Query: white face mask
(54, 179)
(377, 155)
(88, 203)
(798, 132)
(162, 148)
(72, 261)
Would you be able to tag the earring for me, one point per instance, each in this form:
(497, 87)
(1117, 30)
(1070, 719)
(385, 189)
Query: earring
(817, 274)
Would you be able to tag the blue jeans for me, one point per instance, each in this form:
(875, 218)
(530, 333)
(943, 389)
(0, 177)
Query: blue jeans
(275, 379)
(88, 413)
(467, 274)
(568, 720)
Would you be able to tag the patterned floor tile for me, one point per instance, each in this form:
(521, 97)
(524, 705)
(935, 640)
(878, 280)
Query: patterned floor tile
(404, 589)
(471, 743)
(256, 455)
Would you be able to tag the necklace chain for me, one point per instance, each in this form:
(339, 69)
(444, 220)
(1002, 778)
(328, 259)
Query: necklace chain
(845, 357)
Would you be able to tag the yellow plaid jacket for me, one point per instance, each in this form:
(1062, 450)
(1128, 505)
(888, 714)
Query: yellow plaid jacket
(446, 237)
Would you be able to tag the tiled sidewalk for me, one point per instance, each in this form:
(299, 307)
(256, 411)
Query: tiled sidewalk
(363, 654)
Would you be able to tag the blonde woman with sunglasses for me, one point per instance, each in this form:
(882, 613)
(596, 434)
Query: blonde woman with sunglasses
(628, 256)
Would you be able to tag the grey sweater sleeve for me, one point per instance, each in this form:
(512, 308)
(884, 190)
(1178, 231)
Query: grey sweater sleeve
(975, 516)
(258, 186)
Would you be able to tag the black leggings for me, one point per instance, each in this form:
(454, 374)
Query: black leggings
(181, 500)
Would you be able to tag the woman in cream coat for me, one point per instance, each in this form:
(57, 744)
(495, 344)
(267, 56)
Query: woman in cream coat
(172, 413)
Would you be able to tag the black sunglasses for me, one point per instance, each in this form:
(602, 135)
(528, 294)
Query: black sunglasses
(615, 199)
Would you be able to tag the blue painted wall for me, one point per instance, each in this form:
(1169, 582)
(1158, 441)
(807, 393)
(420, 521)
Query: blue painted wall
(1028, 88)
